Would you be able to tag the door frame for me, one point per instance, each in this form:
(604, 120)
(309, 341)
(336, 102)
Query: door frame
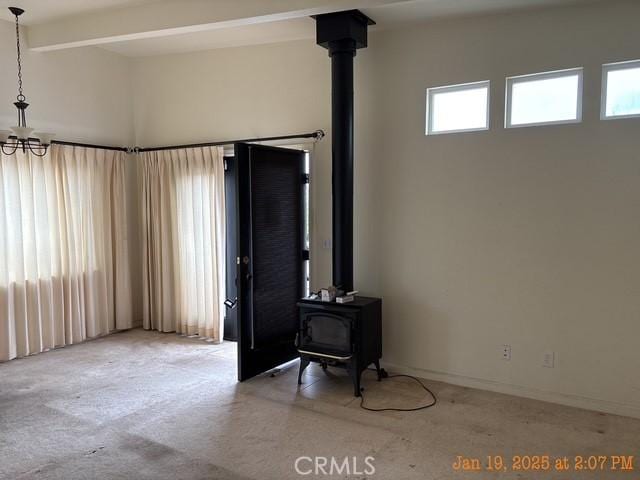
(231, 214)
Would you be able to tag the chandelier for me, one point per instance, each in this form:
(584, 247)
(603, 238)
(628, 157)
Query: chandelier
(19, 136)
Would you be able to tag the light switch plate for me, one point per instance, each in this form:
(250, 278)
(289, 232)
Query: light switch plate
(506, 352)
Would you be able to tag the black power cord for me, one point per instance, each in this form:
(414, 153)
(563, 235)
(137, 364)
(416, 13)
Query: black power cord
(384, 374)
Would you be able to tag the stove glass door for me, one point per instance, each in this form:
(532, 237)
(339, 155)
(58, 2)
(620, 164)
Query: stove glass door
(326, 333)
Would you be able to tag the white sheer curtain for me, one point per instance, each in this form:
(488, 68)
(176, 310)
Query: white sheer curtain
(183, 241)
(64, 271)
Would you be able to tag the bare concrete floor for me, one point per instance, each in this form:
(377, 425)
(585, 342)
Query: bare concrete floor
(145, 405)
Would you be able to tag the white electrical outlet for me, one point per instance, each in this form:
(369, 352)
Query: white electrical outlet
(326, 243)
(506, 352)
(548, 359)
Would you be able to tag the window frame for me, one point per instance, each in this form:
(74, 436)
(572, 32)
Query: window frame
(510, 81)
(456, 88)
(612, 67)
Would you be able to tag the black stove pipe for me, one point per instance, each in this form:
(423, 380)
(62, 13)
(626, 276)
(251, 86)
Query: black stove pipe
(342, 53)
(342, 33)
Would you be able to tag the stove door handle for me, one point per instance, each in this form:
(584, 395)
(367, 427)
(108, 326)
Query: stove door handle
(325, 355)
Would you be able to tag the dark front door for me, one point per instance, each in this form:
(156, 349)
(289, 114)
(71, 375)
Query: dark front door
(231, 199)
(269, 256)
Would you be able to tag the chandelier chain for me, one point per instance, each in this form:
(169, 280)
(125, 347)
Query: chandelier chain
(21, 97)
(19, 136)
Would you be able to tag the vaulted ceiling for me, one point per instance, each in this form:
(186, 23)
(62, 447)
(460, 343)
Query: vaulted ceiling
(151, 27)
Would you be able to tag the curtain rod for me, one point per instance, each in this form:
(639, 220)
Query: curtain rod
(318, 135)
(85, 145)
(89, 145)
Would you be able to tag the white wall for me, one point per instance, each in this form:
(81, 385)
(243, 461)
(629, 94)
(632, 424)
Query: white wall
(528, 237)
(83, 95)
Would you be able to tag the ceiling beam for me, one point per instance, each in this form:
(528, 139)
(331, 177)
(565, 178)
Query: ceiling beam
(172, 17)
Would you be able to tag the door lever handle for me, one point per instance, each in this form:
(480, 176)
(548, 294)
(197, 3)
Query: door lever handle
(245, 260)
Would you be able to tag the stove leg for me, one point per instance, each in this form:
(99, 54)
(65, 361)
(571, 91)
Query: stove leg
(304, 363)
(355, 378)
(378, 370)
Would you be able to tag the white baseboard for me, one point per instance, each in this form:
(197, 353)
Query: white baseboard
(577, 401)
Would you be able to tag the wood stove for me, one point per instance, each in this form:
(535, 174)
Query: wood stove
(343, 335)
(347, 335)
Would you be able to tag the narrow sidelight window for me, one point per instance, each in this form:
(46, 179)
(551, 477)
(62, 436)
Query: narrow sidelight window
(621, 90)
(544, 98)
(458, 108)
